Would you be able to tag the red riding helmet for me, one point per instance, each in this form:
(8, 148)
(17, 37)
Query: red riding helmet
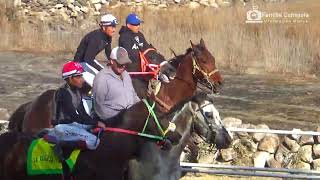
(71, 69)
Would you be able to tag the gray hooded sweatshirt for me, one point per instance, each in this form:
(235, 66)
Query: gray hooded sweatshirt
(112, 94)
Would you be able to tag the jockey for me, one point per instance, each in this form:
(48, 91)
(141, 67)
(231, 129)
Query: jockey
(112, 87)
(70, 118)
(93, 43)
(132, 39)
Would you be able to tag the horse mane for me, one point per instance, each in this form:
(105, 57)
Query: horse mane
(178, 58)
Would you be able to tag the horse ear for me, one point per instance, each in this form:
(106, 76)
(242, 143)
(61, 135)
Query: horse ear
(202, 43)
(192, 45)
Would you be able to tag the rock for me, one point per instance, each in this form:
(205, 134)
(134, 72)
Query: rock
(74, 14)
(4, 114)
(224, 3)
(296, 136)
(244, 134)
(305, 154)
(207, 158)
(316, 150)
(3, 126)
(316, 164)
(82, 2)
(260, 158)
(194, 5)
(17, 3)
(103, 1)
(177, 1)
(281, 154)
(269, 144)
(95, 1)
(306, 140)
(291, 144)
(138, 1)
(59, 6)
(84, 9)
(97, 7)
(163, 6)
(212, 3)
(231, 122)
(272, 163)
(70, 1)
(318, 137)
(302, 165)
(228, 154)
(71, 7)
(43, 2)
(258, 136)
(77, 8)
(204, 2)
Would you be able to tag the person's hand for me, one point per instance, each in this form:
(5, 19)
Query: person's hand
(101, 125)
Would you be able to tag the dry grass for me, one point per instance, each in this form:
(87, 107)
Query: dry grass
(281, 48)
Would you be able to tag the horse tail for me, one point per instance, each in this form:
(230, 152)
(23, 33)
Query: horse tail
(16, 119)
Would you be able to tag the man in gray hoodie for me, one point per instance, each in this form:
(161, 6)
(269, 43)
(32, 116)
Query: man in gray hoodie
(112, 87)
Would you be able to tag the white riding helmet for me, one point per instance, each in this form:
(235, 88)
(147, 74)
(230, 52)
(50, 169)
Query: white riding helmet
(108, 20)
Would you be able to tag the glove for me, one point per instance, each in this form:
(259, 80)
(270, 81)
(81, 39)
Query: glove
(165, 144)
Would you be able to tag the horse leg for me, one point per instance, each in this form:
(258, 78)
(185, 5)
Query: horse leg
(16, 119)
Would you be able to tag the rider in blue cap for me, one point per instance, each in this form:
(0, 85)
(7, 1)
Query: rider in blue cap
(131, 37)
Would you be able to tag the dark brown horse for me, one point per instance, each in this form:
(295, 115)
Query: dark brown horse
(116, 148)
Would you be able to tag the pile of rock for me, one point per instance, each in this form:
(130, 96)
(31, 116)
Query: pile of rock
(4, 116)
(70, 10)
(269, 150)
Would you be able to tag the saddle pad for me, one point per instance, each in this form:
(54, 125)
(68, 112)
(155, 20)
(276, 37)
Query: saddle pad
(42, 160)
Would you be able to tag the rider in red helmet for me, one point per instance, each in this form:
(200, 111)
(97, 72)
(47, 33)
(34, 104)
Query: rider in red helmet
(71, 120)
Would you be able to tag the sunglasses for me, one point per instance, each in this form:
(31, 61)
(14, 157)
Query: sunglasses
(121, 65)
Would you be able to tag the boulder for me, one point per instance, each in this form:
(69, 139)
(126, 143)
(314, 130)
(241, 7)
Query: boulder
(302, 165)
(306, 140)
(316, 164)
(296, 136)
(231, 122)
(260, 158)
(4, 114)
(228, 154)
(258, 136)
(316, 150)
(272, 163)
(291, 144)
(281, 154)
(194, 5)
(269, 144)
(305, 154)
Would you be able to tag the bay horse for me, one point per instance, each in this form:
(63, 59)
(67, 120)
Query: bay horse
(29, 117)
(196, 65)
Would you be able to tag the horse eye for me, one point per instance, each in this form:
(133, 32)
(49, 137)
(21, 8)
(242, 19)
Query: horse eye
(209, 115)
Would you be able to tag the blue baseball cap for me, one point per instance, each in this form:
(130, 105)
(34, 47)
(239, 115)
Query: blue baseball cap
(133, 19)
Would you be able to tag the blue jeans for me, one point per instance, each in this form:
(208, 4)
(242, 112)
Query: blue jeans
(75, 132)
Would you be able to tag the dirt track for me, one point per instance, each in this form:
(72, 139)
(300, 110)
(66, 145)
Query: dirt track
(277, 101)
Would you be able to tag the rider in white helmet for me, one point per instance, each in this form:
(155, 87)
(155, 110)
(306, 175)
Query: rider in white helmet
(93, 43)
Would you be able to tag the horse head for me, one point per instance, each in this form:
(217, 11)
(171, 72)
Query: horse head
(204, 67)
(201, 117)
(208, 124)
